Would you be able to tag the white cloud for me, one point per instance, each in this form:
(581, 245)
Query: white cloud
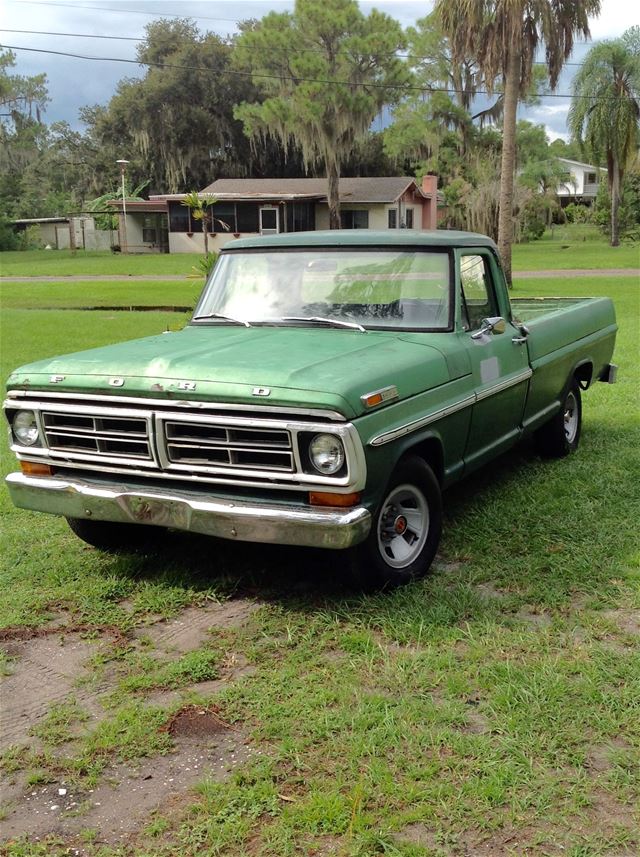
(615, 17)
(557, 109)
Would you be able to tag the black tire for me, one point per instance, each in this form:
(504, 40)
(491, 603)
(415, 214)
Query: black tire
(114, 537)
(399, 549)
(561, 435)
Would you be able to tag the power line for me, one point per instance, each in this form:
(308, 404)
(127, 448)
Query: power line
(75, 35)
(139, 39)
(122, 11)
(327, 82)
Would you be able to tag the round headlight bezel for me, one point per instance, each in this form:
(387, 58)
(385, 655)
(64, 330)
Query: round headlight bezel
(25, 428)
(330, 449)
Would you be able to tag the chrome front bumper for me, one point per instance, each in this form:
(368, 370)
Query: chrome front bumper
(191, 511)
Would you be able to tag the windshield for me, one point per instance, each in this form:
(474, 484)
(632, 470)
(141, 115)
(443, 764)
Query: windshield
(401, 289)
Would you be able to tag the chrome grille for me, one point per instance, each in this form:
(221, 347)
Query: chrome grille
(208, 444)
(125, 437)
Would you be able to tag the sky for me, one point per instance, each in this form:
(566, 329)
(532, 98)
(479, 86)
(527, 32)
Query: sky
(75, 83)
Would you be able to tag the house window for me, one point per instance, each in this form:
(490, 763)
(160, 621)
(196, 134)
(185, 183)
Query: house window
(393, 218)
(300, 216)
(352, 219)
(223, 214)
(179, 220)
(149, 231)
(590, 178)
(247, 217)
(408, 218)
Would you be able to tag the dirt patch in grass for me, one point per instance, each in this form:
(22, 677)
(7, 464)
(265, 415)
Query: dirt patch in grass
(194, 722)
(54, 668)
(190, 629)
(600, 757)
(421, 835)
(533, 616)
(627, 620)
(123, 803)
(21, 633)
(44, 673)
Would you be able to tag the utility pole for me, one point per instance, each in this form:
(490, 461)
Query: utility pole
(123, 230)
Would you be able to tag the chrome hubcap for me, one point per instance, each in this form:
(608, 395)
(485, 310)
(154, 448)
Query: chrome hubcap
(403, 526)
(570, 418)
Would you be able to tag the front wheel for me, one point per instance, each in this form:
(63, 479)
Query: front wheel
(561, 435)
(406, 529)
(114, 537)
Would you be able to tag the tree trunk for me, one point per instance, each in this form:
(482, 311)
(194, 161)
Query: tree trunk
(333, 195)
(205, 229)
(615, 203)
(507, 167)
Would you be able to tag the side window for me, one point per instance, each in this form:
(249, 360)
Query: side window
(477, 298)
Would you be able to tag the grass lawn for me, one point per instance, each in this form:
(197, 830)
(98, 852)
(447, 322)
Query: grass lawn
(571, 246)
(61, 263)
(574, 246)
(492, 708)
(88, 294)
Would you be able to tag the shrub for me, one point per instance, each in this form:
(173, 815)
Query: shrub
(8, 236)
(31, 238)
(578, 213)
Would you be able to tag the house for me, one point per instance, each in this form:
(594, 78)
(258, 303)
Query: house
(62, 233)
(267, 206)
(583, 185)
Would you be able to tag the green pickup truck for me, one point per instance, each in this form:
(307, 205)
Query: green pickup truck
(329, 386)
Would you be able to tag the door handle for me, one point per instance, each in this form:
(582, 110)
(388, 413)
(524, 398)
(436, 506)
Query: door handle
(524, 330)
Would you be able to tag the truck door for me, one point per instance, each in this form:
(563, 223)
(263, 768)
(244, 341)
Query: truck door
(499, 362)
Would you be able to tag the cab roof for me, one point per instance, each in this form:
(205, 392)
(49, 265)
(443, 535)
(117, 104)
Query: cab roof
(364, 238)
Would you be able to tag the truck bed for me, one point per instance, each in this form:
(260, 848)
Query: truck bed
(556, 323)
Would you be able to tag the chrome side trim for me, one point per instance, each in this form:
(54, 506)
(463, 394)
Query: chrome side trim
(307, 526)
(414, 425)
(504, 385)
(176, 403)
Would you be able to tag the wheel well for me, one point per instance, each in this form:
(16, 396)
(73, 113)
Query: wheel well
(431, 451)
(584, 374)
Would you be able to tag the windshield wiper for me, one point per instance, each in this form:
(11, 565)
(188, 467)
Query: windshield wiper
(332, 322)
(223, 317)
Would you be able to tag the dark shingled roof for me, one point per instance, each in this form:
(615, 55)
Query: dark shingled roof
(357, 190)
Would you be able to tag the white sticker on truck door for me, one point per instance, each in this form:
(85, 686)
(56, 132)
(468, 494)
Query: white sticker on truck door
(489, 369)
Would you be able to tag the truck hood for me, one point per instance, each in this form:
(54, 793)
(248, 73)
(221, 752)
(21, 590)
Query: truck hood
(304, 367)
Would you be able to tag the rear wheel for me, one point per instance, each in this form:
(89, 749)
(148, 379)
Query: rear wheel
(560, 436)
(406, 529)
(114, 537)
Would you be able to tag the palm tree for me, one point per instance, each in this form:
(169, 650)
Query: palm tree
(503, 36)
(199, 206)
(605, 112)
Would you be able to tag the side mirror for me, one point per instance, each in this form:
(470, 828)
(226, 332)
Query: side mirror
(495, 324)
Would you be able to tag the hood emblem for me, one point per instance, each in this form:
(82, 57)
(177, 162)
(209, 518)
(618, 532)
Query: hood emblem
(262, 391)
(55, 379)
(116, 382)
(186, 385)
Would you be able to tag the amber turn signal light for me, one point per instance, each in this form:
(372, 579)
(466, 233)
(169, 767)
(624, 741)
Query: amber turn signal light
(320, 498)
(34, 468)
(373, 399)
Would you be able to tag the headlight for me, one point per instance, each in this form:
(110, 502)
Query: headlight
(25, 428)
(326, 453)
